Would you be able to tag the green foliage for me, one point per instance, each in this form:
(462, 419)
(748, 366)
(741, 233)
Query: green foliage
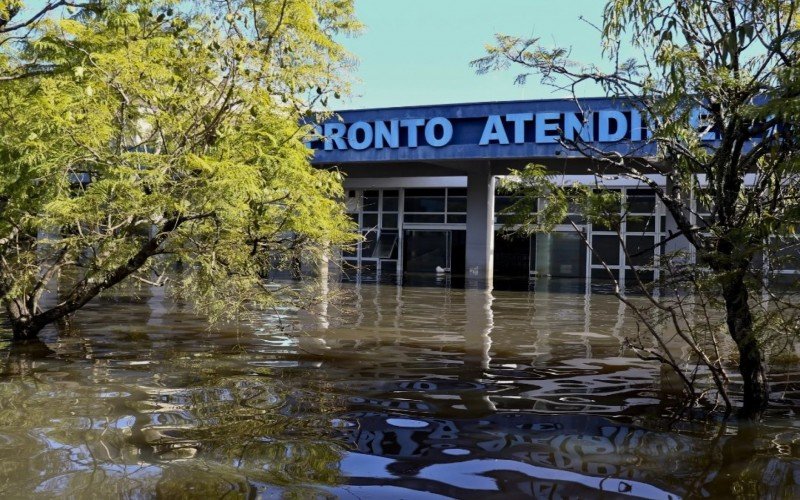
(140, 135)
(725, 67)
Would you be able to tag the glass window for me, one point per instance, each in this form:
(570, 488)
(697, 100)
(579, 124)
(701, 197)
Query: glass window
(560, 255)
(456, 204)
(369, 270)
(577, 219)
(385, 245)
(389, 221)
(700, 206)
(640, 250)
(368, 245)
(370, 201)
(424, 218)
(610, 225)
(429, 204)
(606, 249)
(425, 192)
(785, 254)
(425, 251)
(390, 203)
(641, 201)
(456, 218)
(602, 274)
(369, 220)
(503, 202)
(644, 275)
(388, 267)
(641, 224)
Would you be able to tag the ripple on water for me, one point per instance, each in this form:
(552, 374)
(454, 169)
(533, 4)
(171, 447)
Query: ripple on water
(405, 393)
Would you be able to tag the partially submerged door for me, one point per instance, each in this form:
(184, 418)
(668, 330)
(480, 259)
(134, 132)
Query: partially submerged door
(429, 251)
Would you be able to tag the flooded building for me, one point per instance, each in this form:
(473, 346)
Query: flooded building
(421, 185)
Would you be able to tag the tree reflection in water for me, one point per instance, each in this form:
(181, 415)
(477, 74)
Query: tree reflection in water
(395, 392)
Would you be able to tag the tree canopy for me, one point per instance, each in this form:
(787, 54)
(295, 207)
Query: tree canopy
(716, 82)
(137, 136)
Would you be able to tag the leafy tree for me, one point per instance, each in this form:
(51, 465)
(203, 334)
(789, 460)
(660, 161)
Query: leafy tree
(692, 68)
(141, 136)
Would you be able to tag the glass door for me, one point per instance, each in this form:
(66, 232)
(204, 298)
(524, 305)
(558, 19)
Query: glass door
(432, 251)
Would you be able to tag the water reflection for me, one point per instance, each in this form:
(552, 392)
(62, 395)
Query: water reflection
(379, 391)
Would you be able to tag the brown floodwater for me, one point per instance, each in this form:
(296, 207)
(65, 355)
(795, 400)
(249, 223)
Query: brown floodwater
(383, 392)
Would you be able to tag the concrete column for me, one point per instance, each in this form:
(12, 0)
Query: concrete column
(480, 227)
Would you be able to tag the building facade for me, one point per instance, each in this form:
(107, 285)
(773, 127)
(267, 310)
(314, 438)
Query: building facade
(421, 185)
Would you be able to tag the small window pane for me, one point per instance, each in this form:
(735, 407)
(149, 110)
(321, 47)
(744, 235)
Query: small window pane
(610, 223)
(390, 204)
(602, 274)
(388, 267)
(424, 204)
(785, 253)
(607, 248)
(560, 254)
(577, 219)
(389, 221)
(456, 218)
(385, 245)
(641, 201)
(369, 220)
(640, 250)
(456, 204)
(368, 245)
(424, 218)
(644, 276)
(503, 202)
(641, 224)
(425, 192)
(370, 201)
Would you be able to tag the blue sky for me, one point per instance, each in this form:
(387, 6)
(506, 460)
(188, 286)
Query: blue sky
(418, 51)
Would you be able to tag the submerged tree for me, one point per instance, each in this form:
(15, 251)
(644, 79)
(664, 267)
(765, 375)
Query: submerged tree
(142, 136)
(725, 70)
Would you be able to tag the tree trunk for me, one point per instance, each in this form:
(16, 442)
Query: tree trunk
(24, 325)
(740, 326)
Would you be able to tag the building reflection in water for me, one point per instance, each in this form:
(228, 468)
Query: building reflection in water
(378, 391)
(467, 390)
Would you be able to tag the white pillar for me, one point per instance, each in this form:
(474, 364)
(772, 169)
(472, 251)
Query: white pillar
(480, 227)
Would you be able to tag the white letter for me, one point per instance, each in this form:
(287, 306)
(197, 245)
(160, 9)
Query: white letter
(604, 133)
(494, 131)
(412, 124)
(334, 136)
(352, 135)
(447, 132)
(543, 126)
(519, 119)
(389, 134)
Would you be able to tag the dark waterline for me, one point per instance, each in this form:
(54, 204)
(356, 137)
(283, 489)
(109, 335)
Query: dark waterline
(385, 391)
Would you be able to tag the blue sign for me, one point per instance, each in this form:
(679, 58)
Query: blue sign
(496, 130)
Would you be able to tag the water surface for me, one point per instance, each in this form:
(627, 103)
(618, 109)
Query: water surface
(385, 391)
